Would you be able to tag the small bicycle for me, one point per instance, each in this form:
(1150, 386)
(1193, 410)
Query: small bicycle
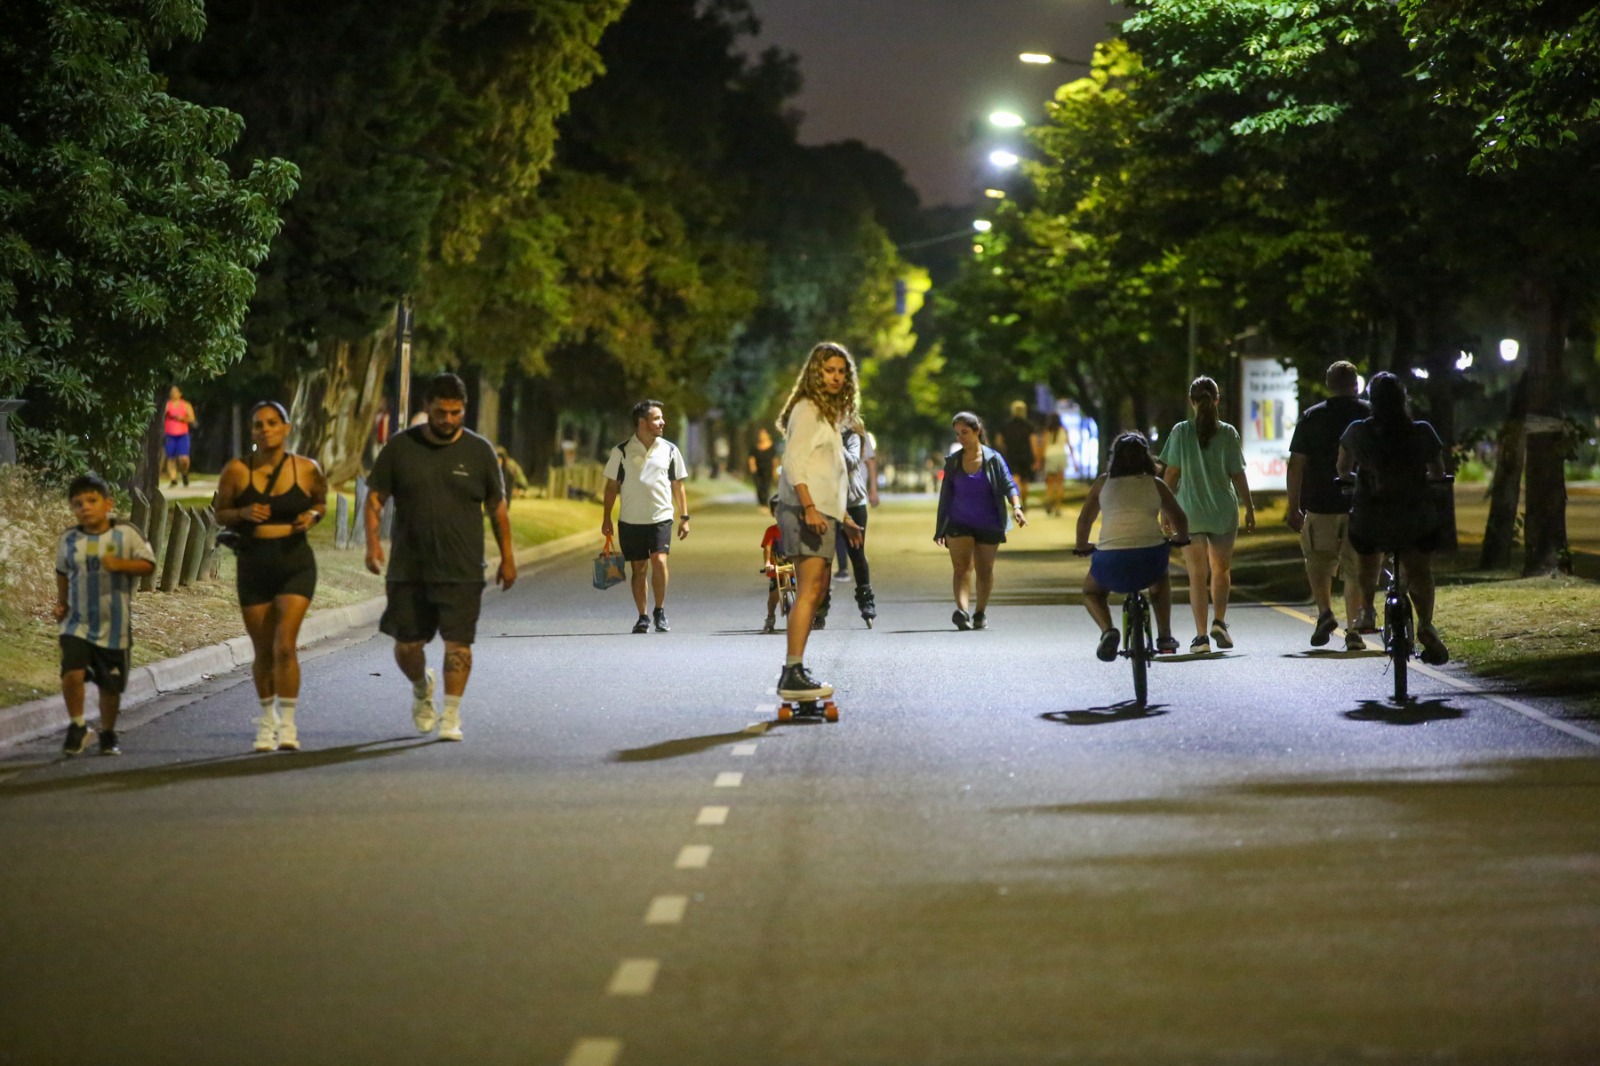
(781, 572)
(1138, 636)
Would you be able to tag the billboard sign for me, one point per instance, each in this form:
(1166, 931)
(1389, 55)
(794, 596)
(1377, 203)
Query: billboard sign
(1270, 405)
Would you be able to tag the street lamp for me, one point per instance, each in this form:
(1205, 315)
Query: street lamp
(995, 194)
(1464, 361)
(982, 225)
(1509, 349)
(1003, 159)
(1007, 120)
(1044, 59)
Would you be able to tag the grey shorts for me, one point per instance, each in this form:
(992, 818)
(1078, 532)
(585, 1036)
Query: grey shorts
(798, 541)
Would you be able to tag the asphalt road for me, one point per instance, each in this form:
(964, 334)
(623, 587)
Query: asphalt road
(990, 859)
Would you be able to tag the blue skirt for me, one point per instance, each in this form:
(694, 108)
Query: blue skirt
(1129, 569)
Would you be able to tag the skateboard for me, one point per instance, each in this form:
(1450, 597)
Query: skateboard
(790, 710)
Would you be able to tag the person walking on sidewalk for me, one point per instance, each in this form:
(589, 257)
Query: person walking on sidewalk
(974, 517)
(647, 472)
(1205, 468)
(1319, 512)
(271, 499)
(1015, 440)
(98, 562)
(813, 492)
(443, 479)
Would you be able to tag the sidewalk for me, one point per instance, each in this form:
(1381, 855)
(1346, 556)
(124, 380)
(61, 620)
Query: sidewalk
(26, 721)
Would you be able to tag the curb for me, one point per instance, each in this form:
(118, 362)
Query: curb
(25, 721)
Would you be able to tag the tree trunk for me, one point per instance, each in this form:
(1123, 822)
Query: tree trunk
(1500, 532)
(336, 402)
(488, 418)
(147, 475)
(1545, 526)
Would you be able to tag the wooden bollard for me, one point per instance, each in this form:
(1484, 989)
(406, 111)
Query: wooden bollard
(177, 539)
(194, 549)
(156, 535)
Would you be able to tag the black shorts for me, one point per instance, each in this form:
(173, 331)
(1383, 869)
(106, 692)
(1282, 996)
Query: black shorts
(638, 543)
(1365, 542)
(1374, 528)
(106, 667)
(271, 568)
(419, 610)
(979, 534)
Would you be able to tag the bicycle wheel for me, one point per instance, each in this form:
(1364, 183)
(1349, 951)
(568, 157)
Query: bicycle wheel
(1397, 630)
(1136, 640)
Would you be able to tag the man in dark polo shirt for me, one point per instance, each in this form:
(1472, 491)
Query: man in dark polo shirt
(1319, 512)
(443, 479)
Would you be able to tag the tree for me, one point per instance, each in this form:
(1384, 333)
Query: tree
(126, 245)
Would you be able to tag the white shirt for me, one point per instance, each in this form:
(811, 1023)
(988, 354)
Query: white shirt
(646, 476)
(813, 456)
(100, 603)
(1130, 509)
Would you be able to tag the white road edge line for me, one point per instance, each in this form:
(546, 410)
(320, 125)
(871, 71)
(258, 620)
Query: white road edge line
(1509, 704)
(634, 977)
(745, 749)
(712, 816)
(729, 779)
(666, 910)
(693, 857)
(595, 1051)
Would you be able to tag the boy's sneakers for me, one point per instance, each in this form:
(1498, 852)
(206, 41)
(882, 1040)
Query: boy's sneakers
(77, 737)
(422, 712)
(1326, 624)
(108, 742)
(642, 625)
(1353, 641)
(796, 683)
(661, 621)
(1434, 653)
(1219, 633)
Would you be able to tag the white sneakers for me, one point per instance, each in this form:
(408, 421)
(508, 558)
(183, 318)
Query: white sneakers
(422, 707)
(267, 732)
(450, 725)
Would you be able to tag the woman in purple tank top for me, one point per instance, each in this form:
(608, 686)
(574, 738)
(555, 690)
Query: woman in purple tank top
(978, 502)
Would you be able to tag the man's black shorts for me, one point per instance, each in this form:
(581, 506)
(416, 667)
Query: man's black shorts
(417, 610)
(106, 667)
(638, 543)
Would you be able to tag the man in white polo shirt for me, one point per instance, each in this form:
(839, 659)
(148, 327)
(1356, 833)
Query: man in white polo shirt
(647, 471)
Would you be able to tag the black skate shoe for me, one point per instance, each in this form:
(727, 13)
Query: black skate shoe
(796, 683)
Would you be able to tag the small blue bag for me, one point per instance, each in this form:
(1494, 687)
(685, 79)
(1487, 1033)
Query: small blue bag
(608, 567)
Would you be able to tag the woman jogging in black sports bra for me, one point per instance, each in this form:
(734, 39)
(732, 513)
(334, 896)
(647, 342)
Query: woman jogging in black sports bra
(270, 498)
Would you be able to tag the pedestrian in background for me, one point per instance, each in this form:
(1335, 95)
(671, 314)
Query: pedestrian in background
(271, 499)
(647, 471)
(1205, 469)
(1320, 513)
(978, 503)
(98, 562)
(178, 420)
(443, 479)
(1053, 447)
(861, 460)
(762, 462)
(1015, 440)
(813, 493)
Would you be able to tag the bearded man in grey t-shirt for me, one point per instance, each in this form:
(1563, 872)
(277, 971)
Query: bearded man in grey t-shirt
(443, 479)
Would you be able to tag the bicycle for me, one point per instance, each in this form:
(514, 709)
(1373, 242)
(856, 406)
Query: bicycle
(1138, 638)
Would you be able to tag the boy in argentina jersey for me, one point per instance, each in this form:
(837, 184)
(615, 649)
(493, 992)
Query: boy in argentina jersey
(98, 562)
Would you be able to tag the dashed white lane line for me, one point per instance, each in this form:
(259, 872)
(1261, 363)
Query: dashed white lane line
(1509, 704)
(744, 749)
(693, 857)
(766, 710)
(712, 816)
(634, 977)
(729, 779)
(666, 910)
(595, 1051)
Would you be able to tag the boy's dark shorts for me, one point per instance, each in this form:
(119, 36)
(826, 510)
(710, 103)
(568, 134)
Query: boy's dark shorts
(419, 610)
(638, 543)
(106, 667)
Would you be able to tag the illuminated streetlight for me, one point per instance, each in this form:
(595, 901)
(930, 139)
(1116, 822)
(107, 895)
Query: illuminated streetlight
(1043, 59)
(995, 194)
(982, 225)
(1004, 159)
(1509, 350)
(1418, 372)
(1007, 120)
(1464, 361)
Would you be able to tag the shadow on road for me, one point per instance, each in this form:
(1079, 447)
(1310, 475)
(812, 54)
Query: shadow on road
(1331, 653)
(673, 749)
(245, 764)
(1416, 712)
(1126, 711)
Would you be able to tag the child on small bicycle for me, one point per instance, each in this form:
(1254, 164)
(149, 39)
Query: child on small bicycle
(1137, 513)
(770, 561)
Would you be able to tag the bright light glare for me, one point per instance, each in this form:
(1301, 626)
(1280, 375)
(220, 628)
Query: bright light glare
(1464, 361)
(1040, 58)
(1418, 372)
(977, 249)
(1002, 158)
(995, 194)
(1007, 120)
(1509, 349)
(982, 225)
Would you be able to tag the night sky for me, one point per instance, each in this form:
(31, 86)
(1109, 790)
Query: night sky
(917, 79)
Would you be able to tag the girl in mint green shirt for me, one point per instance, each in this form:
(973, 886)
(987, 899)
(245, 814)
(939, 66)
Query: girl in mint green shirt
(1205, 468)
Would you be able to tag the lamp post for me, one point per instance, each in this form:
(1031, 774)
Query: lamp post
(1044, 59)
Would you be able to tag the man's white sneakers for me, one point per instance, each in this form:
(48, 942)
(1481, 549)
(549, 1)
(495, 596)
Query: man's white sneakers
(422, 711)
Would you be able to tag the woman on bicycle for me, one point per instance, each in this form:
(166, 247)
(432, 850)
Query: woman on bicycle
(1205, 468)
(1393, 459)
(1133, 504)
(973, 516)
